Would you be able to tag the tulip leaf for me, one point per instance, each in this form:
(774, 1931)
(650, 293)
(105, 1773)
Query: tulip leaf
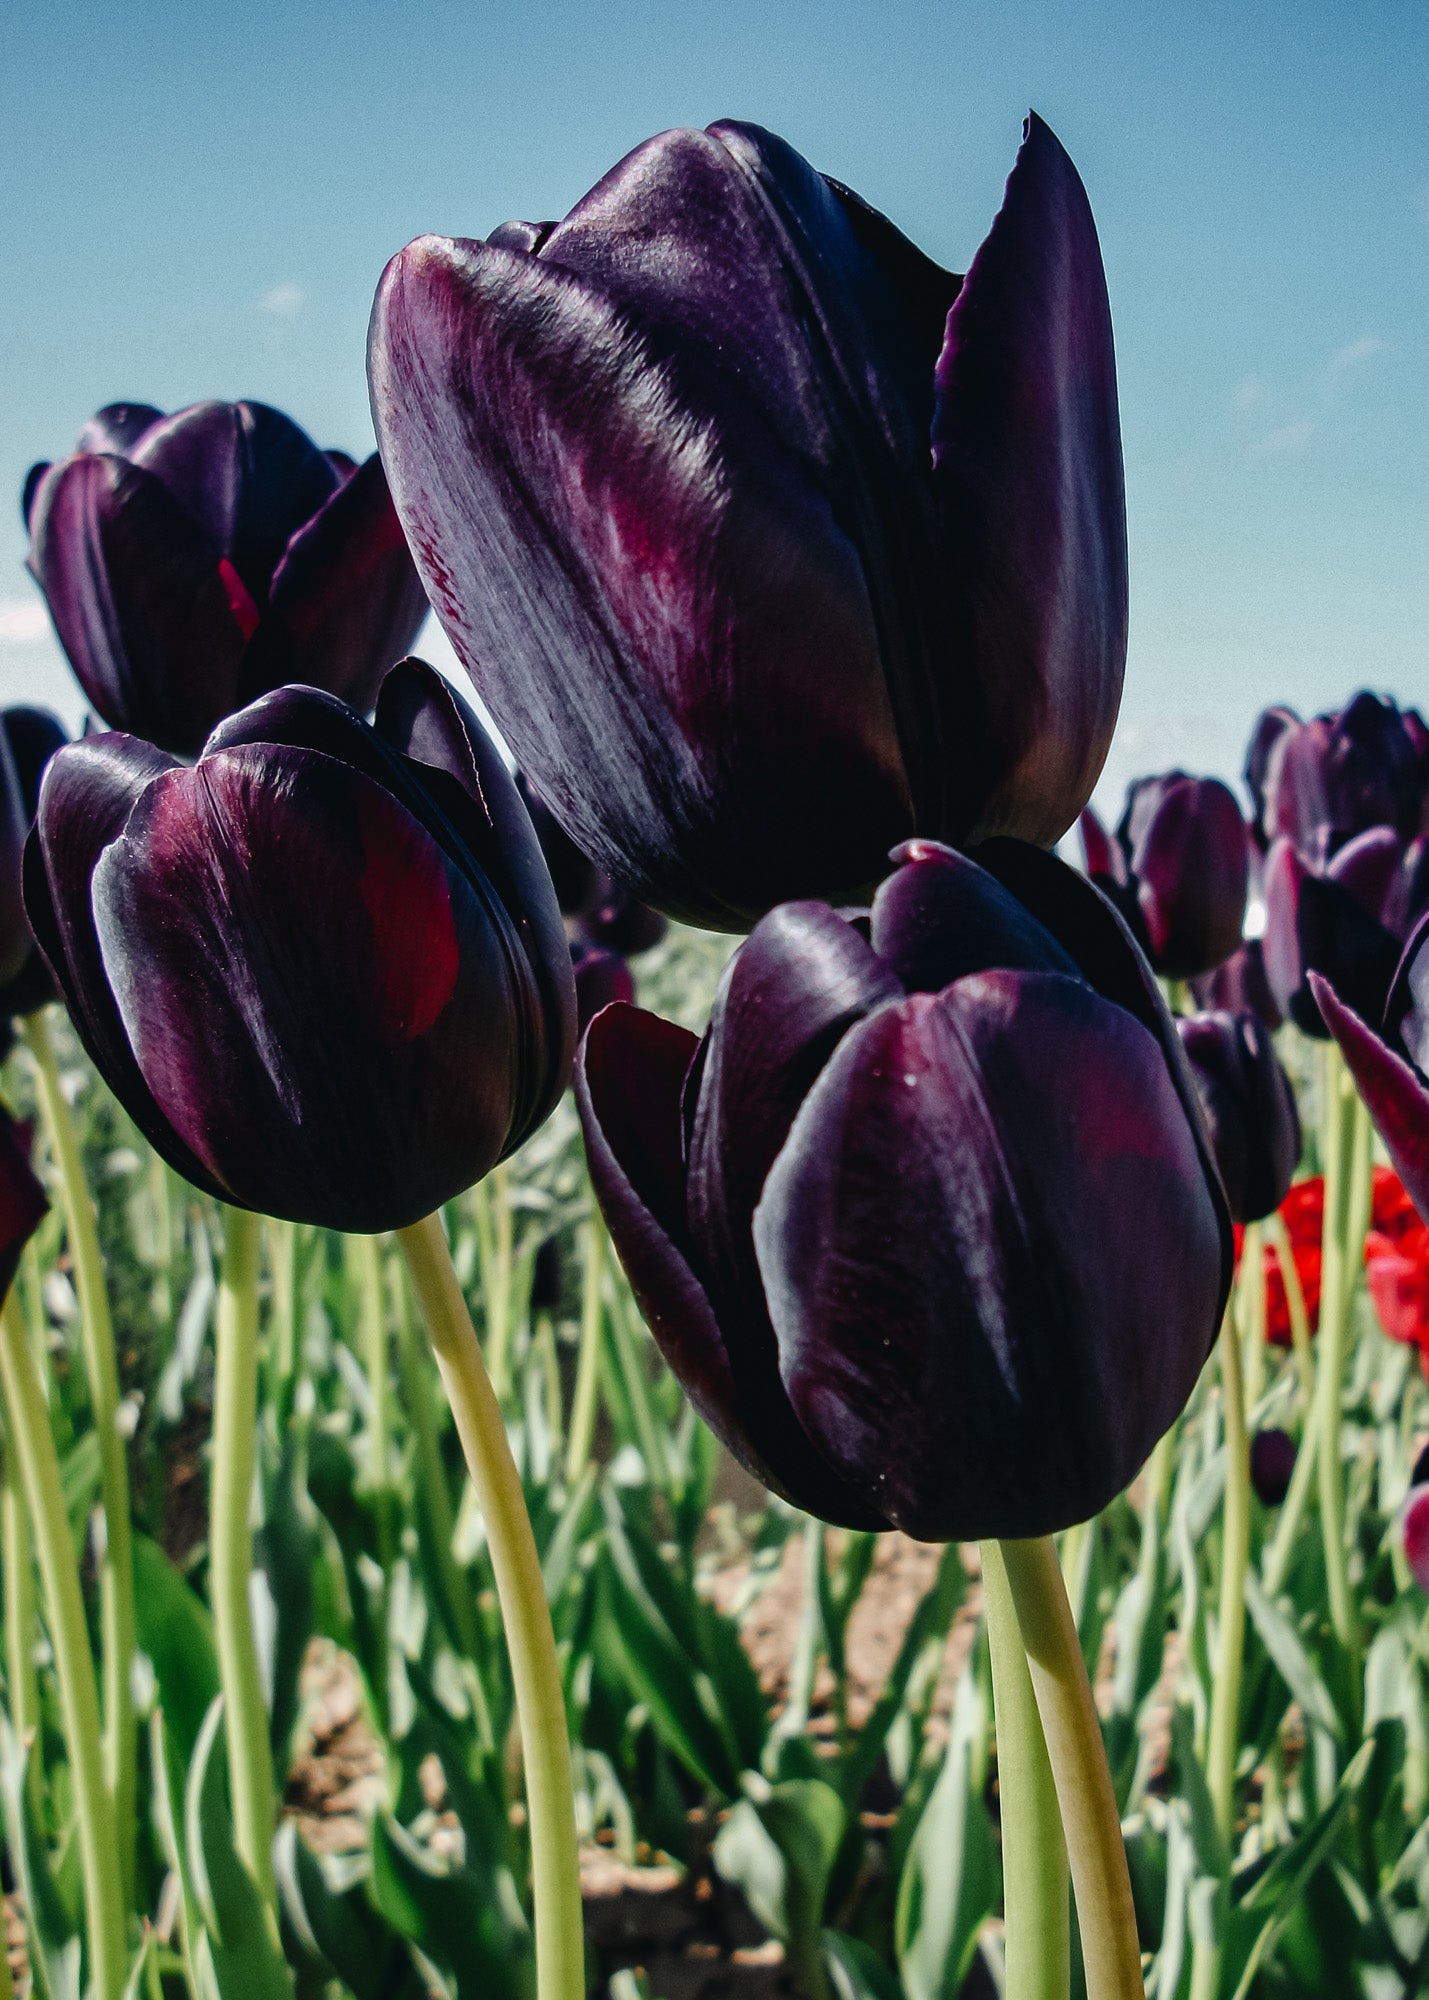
(856, 1972)
(51, 1924)
(928, 1629)
(289, 1551)
(239, 1946)
(175, 1630)
(949, 1882)
(337, 1928)
(779, 1845)
(1287, 1650)
(443, 1910)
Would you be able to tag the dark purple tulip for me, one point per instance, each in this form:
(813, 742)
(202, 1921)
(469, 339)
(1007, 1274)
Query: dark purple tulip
(1272, 1461)
(1239, 986)
(1187, 859)
(1390, 1065)
(1336, 920)
(620, 922)
(1249, 1105)
(1270, 725)
(194, 562)
(768, 541)
(323, 968)
(22, 1199)
(602, 977)
(547, 1276)
(1332, 777)
(927, 1223)
(576, 878)
(29, 737)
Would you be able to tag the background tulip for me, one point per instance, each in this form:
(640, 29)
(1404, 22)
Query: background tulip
(1345, 919)
(1390, 1065)
(323, 969)
(880, 1218)
(193, 562)
(1414, 1534)
(1319, 783)
(754, 526)
(602, 977)
(1178, 870)
(30, 738)
(1239, 985)
(1249, 1105)
(1272, 1461)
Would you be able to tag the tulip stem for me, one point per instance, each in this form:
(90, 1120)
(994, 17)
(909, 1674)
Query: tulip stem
(28, 1425)
(1347, 1191)
(535, 1669)
(230, 1561)
(431, 1474)
(1279, 1238)
(1106, 1915)
(22, 1684)
(1036, 1910)
(116, 1568)
(372, 1320)
(583, 1404)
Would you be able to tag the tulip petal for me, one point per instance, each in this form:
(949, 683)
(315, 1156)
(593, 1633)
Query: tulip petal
(118, 427)
(629, 1075)
(1314, 923)
(247, 473)
(1396, 1097)
(1240, 986)
(1414, 1531)
(1249, 1106)
(1027, 457)
(138, 600)
(88, 792)
(1192, 866)
(303, 977)
(346, 600)
(956, 1331)
(581, 497)
(939, 916)
(22, 1199)
(1406, 1015)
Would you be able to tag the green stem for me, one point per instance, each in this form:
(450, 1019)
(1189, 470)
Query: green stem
(1036, 1911)
(230, 1561)
(1248, 1291)
(28, 1424)
(535, 1669)
(1279, 1238)
(431, 1474)
(283, 1269)
(372, 1319)
(1106, 1915)
(583, 1403)
(116, 1570)
(21, 1680)
(1346, 1204)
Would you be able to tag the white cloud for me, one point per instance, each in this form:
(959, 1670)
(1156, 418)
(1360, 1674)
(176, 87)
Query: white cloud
(1289, 437)
(24, 621)
(284, 299)
(1356, 351)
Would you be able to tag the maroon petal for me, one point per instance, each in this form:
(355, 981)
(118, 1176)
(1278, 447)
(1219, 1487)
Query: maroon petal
(1249, 1105)
(992, 1256)
(15, 942)
(151, 627)
(1396, 1096)
(322, 1006)
(602, 978)
(939, 916)
(1370, 867)
(1240, 986)
(629, 1075)
(346, 600)
(87, 794)
(118, 427)
(1101, 855)
(247, 474)
(1315, 923)
(1270, 725)
(586, 506)
(1027, 452)
(1191, 864)
(22, 1199)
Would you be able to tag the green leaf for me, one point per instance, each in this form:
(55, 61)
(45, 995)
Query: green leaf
(1287, 1650)
(289, 1550)
(949, 1883)
(338, 1928)
(240, 1939)
(680, 1697)
(928, 1627)
(856, 1972)
(175, 1630)
(51, 1926)
(444, 1912)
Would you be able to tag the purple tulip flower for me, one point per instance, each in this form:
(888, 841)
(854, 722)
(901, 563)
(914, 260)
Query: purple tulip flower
(1178, 870)
(1390, 1062)
(1414, 1534)
(323, 968)
(22, 1199)
(602, 977)
(620, 922)
(1272, 1463)
(767, 541)
(577, 880)
(1249, 1107)
(927, 1223)
(194, 562)
(1347, 920)
(1239, 986)
(1321, 782)
(29, 737)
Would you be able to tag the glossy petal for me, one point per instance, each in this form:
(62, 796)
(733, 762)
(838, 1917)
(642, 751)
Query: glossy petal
(138, 599)
(956, 1331)
(939, 916)
(346, 600)
(247, 474)
(1315, 923)
(1396, 1095)
(709, 620)
(1332, 777)
(1407, 1013)
(602, 978)
(88, 792)
(1249, 1105)
(22, 1199)
(629, 1076)
(1240, 986)
(304, 978)
(30, 738)
(1027, 456)
(1101, 855)
(1270, 725)
(1190, 861)
(1370, 866)
(118, 427)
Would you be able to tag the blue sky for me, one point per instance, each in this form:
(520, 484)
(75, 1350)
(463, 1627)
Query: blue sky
(199, 201)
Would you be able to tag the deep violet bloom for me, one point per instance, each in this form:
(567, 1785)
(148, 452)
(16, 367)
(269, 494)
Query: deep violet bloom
(618, 921)
(1346, 918)
(767, 541)
(927, 1223)
(1389, 1060)
(602, 977)
(576, 878)
(1414, 1533)
(1319, 783)
(1249, 1107)
(194, 562)
(1239, 985)
(1178, 870)
(1272, 1462)
(323, 968)
(22, 1199)
(29, 737)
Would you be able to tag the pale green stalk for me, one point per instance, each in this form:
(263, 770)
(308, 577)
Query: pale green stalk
(230, 1548)
(583, 1403)
(116, 1567)
(1346, 1212)
(21, 1680)
(372, 1324)
(1035, 1900)
(28, 1426)
(535, 1669)
(1106, 1915)
(431, 1474)
(1279, 1237)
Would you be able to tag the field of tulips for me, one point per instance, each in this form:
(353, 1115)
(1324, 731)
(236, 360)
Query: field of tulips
(701, 1370)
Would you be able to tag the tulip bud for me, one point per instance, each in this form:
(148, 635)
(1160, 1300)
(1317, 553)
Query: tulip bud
(767, 541)
(620, 922)
(323, 969)
(191, 563)
(1414, 1533)
(1187, 861)
(602, 977)
(927, 1224)
(29, 737)
(1239, 986)
(1332, 777)
(547, 1276)
(1249, 1105)
(1272, 1461)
